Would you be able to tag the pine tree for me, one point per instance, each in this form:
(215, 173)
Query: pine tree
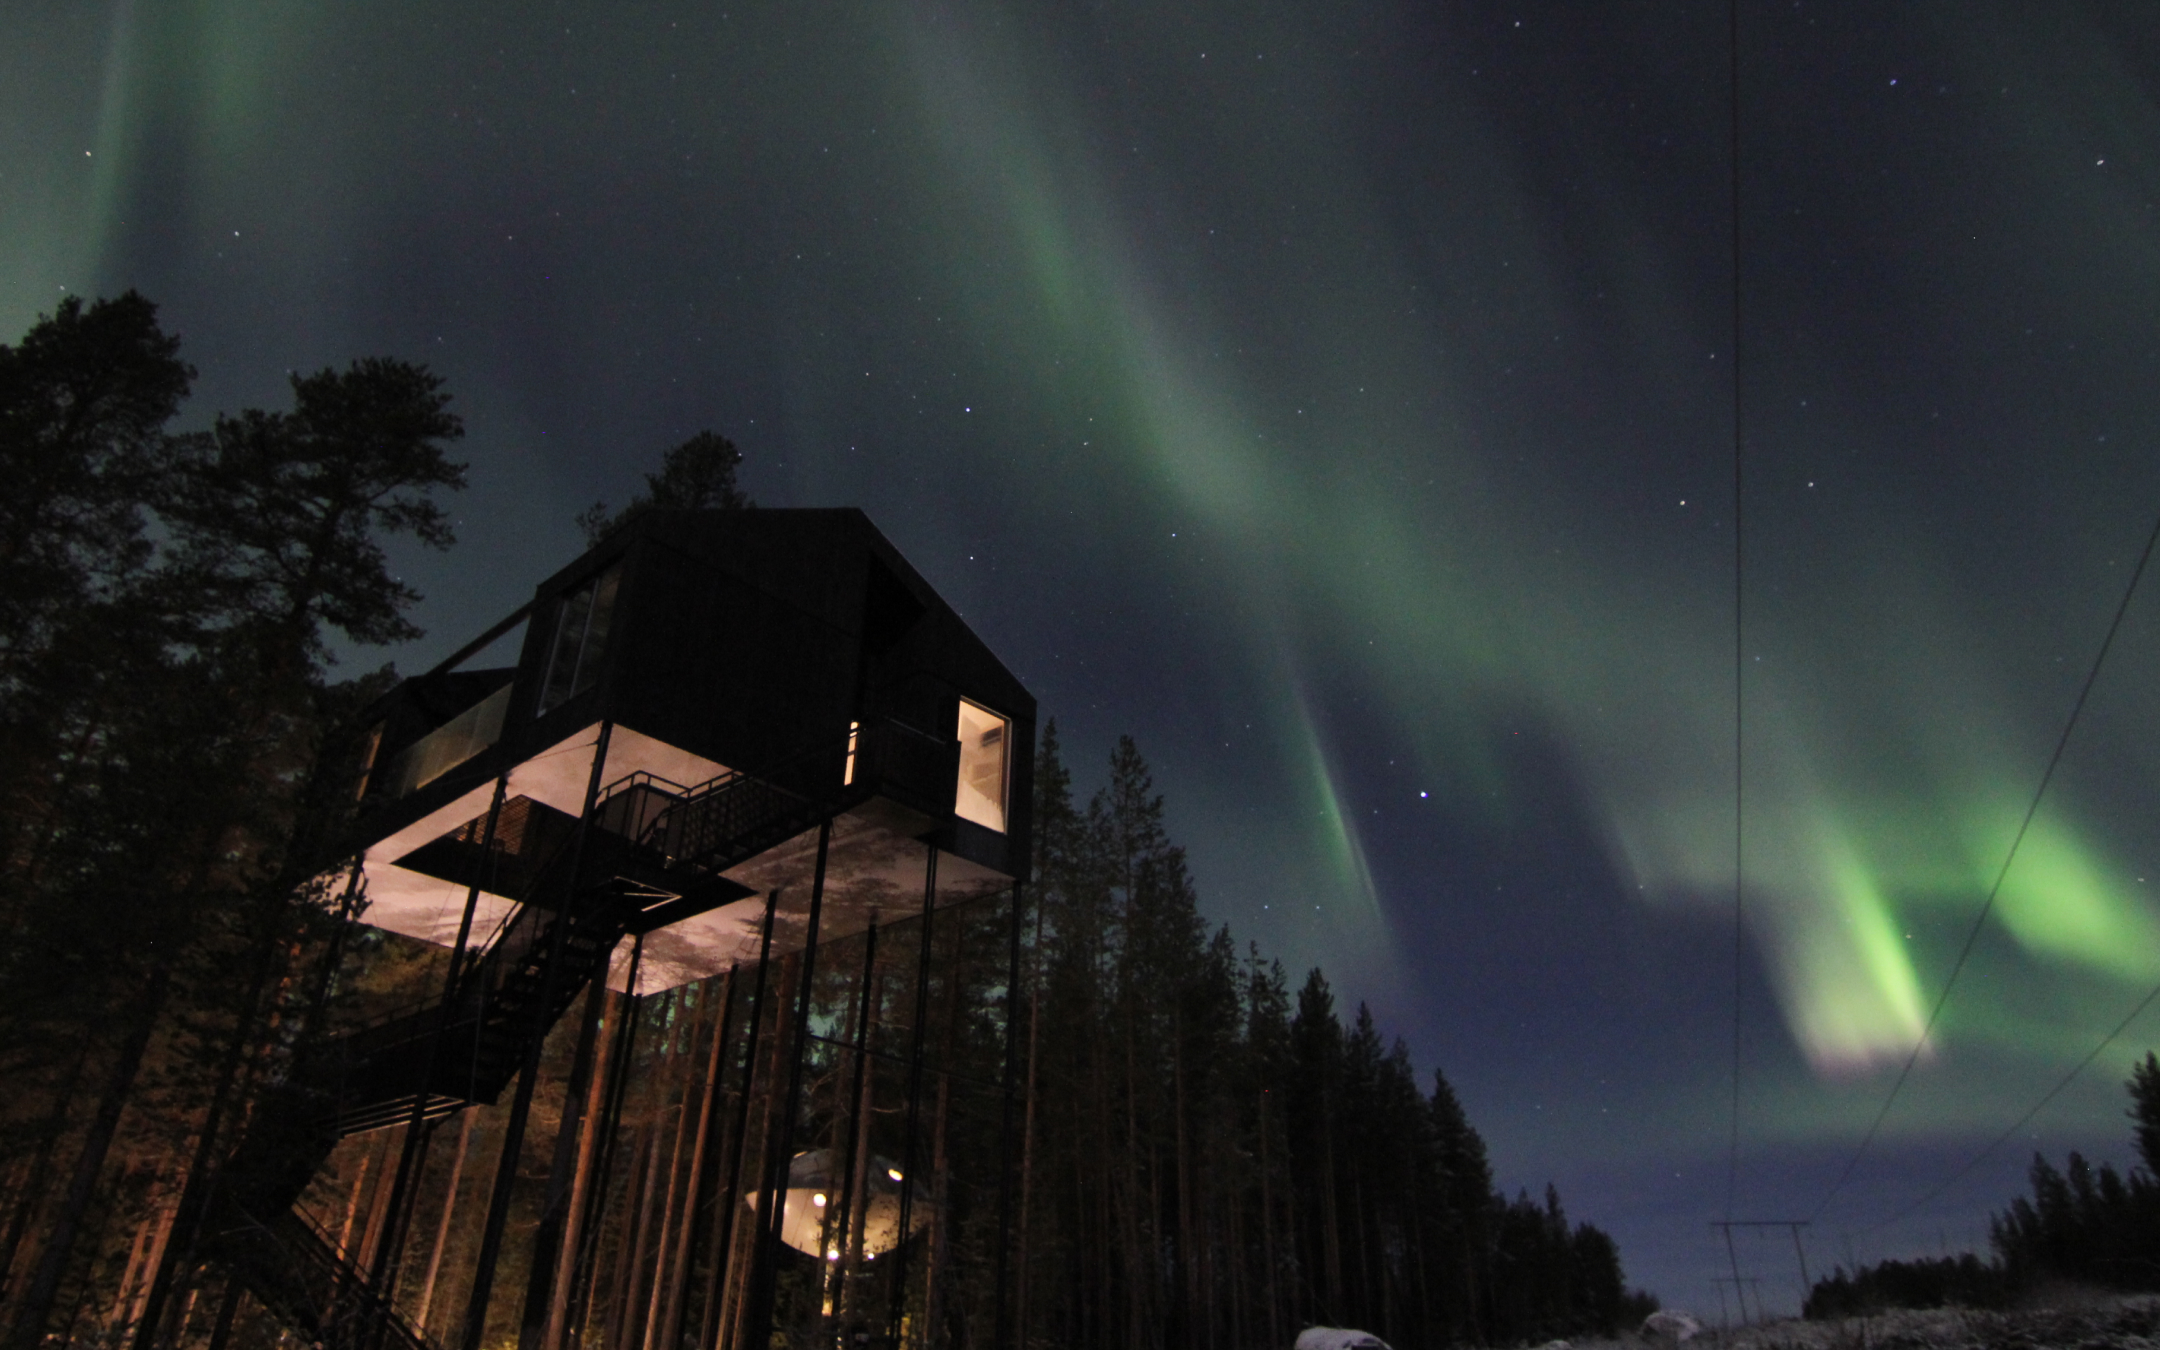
(2144, 1089)
(699, 474)
(184, 701)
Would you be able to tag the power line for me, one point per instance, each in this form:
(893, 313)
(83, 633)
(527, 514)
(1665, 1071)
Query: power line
(1972, 935)
(2022, 1121)
(1732, 1156)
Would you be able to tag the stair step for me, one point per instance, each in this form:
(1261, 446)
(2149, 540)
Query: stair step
(503, 1002)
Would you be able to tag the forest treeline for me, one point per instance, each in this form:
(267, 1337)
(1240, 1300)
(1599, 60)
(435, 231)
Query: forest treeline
(1218, 1160)
(1200, 1154)
(2079, 1224)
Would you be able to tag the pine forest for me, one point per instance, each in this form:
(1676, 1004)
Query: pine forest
(1076, 1114)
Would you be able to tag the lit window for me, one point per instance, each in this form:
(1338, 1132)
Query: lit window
(581, 629)
(854, 738)
(985, 750)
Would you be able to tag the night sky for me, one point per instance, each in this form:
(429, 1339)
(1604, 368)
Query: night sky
(1338, 398)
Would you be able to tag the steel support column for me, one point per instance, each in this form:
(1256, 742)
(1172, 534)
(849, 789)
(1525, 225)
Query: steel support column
(702, 1173)
(765, 1257)
(611, 1102)
(724, 1210)
(843, 1195)
(390, 1250)
(914, 1099)
(498, 1215)
(554, 1205)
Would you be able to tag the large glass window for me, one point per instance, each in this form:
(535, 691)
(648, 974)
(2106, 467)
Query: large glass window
(985, 756)
(450, 744)
(581, 630)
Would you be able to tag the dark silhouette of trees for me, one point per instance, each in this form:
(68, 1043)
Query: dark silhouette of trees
(2091, 1225)
(173, 755)
(1213, 1162)
(1961, 1281)
(698, 474)
(1210, 1156)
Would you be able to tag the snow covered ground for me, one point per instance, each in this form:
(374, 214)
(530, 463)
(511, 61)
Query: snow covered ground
(2070, 1322)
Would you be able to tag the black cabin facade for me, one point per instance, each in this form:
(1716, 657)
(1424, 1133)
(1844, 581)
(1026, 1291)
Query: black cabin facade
(792, 653)
(734, 748)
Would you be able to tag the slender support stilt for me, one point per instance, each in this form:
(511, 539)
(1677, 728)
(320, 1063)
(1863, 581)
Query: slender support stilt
(476, 1309)
(390, 1249)
(725, 1209)
(619, 1065)
(562, 1174)
(914, 1100)
(765, 1268)
(590, 1143)
(704, 1167)
(843, 1208)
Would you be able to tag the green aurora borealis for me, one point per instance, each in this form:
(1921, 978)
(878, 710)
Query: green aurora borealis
(1339, 401)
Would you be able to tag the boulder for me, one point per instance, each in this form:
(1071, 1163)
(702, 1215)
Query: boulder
(1338, 1338)
(1670, 1324)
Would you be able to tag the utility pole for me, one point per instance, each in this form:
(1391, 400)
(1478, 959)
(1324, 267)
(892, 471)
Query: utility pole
(1725, 1228)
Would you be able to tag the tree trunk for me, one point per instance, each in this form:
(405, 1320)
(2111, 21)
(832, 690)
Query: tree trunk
(1027, 1128)
(1330, 1215)
(140, 1021)
(940, 1213)
(179, 1250)
(622, 1333)
(1138, 1264)
(1188, 1249)
(442, 1230)
(1267, 1228)
(696, 1188)
(35, 1182)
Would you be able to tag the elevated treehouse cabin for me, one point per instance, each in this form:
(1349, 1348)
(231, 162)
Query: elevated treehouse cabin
(729, 738)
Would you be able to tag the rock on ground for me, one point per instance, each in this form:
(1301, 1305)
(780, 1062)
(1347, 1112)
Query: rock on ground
(1670, 1324)
(1338, 1338)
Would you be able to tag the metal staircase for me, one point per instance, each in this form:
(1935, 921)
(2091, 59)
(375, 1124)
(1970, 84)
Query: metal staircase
(296, 1271)
(655, 855)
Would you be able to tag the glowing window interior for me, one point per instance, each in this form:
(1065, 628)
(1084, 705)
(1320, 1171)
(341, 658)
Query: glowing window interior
(581, 629)
(985, 750)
